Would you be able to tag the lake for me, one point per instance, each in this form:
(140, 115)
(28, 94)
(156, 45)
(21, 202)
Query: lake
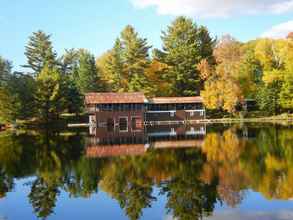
(223, 172)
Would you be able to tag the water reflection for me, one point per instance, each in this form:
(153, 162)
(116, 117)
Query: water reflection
(194, 167)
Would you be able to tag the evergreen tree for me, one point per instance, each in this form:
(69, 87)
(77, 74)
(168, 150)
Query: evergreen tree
(73, 97)
(5, 71)
(135, 57)
(114, 68)
(127, 62)
(22, 89)
(50, 93)
(87, 78)
(184, 46)
(39, 52)
(69, 62)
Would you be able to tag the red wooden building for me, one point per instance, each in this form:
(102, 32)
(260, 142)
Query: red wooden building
(129, 112)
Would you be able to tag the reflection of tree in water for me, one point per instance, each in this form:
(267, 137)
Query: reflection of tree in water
(127, 181)
(43, 197)
(6, 183)
(188, 197)
(130, 179)
(84, 177)
(192, 179)
(223, 152)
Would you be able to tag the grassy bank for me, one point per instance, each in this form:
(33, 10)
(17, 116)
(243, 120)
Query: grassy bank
(280, 119)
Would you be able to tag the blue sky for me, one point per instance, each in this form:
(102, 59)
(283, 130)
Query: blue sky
(94, 25)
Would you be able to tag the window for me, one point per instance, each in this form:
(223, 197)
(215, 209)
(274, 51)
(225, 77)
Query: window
(123, 124)
(136, 123)
(172, 114)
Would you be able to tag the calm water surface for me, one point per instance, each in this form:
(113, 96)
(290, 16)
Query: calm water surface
(192, 172)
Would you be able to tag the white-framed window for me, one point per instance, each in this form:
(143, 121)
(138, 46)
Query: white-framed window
(123, 124)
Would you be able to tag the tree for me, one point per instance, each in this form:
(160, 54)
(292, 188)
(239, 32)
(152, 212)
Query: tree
(113, 68)
(6, 107)
(22, 88)
(135, 58)
(43, 198)
(39, 52)
(222, 88)
(69, 62)
(268, 98)
(5, 71)
(73, 97)
(49, 94)
(222, 93)
(159, 86)
(126, 63)
(17, 98)
(69, 65)
(286, 93)
(184, 46)
(87, 78)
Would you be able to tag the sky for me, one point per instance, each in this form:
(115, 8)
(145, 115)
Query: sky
(94, 24)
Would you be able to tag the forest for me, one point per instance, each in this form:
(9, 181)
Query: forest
(190, 62)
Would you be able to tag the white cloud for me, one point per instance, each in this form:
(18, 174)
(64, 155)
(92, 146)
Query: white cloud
(279, 31)
(216, 8)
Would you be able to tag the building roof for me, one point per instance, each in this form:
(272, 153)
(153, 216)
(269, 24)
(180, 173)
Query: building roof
(176, 100)
(114, 98)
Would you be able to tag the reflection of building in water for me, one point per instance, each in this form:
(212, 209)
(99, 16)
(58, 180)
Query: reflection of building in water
(104, 142)
(131, 111)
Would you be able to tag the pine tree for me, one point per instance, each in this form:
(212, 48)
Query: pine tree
(114, 68)
(128, 61)
(39, 52)
(5, 71)
(184, 46)
(135, 56)
(49, 94)
(88, 79)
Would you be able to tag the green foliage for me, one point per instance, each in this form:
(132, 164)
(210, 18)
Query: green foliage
(268, 98)
(43, 198)
(22, 88)
(6, 106)
(5, 71)
(16, 94)
(87, 78)
(50, 93)
(286, 93)
(184, 46)
(126, 64)
(39, 52)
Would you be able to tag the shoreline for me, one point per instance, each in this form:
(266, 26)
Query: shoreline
(273, 119)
